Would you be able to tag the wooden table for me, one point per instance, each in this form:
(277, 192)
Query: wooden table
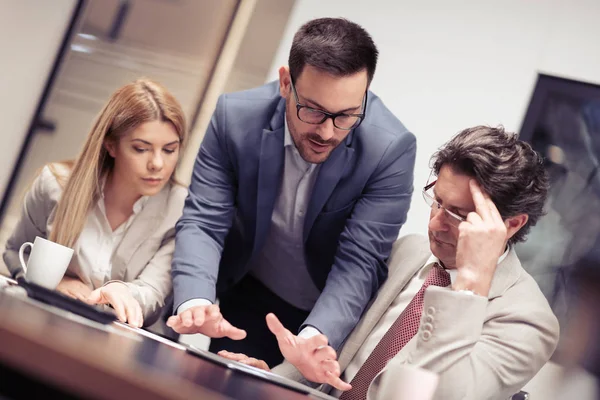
(45, 350)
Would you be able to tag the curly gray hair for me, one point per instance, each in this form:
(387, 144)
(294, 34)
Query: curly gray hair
(508, 170)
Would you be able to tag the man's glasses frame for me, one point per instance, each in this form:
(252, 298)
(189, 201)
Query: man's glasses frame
(454, 218)
(327, 115)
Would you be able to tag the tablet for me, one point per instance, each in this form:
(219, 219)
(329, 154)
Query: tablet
(151, 335)
(59, 300)
(259, 373)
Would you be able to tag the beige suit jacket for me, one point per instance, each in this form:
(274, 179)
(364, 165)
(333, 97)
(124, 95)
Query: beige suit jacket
(142, 259)
(481, 348)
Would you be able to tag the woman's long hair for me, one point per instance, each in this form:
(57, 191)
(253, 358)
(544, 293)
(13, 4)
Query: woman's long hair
(130, 106)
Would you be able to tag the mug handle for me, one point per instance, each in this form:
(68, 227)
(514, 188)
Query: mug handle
(21, 251)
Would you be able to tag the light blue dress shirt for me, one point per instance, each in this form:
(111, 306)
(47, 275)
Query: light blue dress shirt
(281, 265)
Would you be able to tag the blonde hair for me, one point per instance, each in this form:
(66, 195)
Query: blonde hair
(130, 106)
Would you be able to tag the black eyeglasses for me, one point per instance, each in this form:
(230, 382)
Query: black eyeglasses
(340, 120)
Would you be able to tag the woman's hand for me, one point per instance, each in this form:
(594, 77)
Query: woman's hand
(117, 294)
(74, 288)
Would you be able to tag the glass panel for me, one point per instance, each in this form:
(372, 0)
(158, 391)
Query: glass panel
(175, 42)
(260, 43)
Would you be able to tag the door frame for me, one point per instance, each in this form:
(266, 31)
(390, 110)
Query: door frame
(37, 122)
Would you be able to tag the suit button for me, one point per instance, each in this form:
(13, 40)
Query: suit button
(430, 311)
(426, 335)
(428, 327)
(429, 318)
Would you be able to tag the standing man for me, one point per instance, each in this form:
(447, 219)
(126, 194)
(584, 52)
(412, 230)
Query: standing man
(298, 192)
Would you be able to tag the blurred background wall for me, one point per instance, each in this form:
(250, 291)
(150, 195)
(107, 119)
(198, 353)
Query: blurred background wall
(448, 65)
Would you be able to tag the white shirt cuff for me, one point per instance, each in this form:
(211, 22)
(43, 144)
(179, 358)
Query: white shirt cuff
(309, 332)
(192, 303)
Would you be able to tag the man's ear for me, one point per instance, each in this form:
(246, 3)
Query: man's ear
(285, 81)
(111, 147)
(514, 224)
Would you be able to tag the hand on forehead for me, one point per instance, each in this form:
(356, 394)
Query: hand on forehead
(484, 206)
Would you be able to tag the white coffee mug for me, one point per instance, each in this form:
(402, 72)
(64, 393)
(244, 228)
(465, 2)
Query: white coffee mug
(48, 262)
(401, 381)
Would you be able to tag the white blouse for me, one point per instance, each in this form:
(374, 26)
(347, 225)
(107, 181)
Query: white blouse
(98, 242)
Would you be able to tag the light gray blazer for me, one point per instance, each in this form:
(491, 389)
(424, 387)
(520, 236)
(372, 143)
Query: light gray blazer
(481, 348)
(142, 259)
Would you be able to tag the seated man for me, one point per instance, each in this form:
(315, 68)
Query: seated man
(458, 304)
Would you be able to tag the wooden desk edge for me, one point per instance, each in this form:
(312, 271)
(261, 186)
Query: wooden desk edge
(60, 368)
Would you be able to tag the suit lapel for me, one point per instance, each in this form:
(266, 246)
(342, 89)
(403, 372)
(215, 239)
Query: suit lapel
(270, 171)
(329, 175)
(401, 272)
(507, 273)
(409, 254)
(142, 227)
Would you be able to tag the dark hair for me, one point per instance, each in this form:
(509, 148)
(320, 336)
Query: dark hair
(508, 170)
(333, 45)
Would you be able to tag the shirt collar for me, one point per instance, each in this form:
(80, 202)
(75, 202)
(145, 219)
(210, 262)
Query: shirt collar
(137, 206)
(453, 272)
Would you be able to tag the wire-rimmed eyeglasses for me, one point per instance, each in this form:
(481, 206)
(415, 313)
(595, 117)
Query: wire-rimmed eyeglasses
(453, 218)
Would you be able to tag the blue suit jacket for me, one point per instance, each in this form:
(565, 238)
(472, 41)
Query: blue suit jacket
(359, 202)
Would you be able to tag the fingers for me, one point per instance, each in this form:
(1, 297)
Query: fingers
(174, 322)
(324, 353)
(331, 366)
(277, 328)
(484, 205)
(68, 293)
(495, 213)
(318, 341)
(187, 318)
(140, 318)
(332, 373)
(96, 297)
(191, 320)
(126, 307)
(197, 316)
(200, 316)
(214, 318)
(253, 362)
(231, 331)
(244, 359)
(119, 307)
(80, 296)
(474, 218)
(213, 312)
(232, 356)
(480, 199)
(336, 382)
(207, 320)
(134, 312)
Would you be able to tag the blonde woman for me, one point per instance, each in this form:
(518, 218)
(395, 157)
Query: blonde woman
(116, 205)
